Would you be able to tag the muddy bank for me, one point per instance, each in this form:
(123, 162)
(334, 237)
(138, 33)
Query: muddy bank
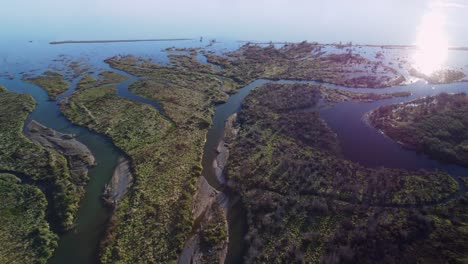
(230, 133)
(209, 240)
(78, 155)
(121, 181)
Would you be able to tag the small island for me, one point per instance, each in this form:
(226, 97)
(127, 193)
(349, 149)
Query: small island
(52, 82)
(435, 125)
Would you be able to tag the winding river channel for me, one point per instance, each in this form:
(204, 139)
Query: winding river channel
(359, 142)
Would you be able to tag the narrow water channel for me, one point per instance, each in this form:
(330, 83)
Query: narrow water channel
(237, 219)
(81, 244)
(364, 144)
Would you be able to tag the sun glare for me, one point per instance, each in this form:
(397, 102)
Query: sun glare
(432, 44)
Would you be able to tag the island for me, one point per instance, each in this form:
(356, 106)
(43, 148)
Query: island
(435, 125)
(52, 82)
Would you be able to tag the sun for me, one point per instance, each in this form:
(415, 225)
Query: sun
(431, 41)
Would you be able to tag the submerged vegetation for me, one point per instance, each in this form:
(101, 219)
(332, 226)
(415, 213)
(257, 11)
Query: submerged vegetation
(306, 203)
(303, 61)
(52, 82)
(436, 125)
(441, 76)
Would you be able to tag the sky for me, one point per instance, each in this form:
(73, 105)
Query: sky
(359, 21)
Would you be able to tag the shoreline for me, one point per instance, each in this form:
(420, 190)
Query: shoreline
(121, 181)
(344, 44)
(113, 41)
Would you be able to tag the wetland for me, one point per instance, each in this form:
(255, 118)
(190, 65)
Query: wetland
(198, 154)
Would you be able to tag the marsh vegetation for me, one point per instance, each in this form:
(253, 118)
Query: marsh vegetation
(287, 166)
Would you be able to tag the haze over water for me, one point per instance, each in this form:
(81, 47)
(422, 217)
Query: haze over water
(360, 21)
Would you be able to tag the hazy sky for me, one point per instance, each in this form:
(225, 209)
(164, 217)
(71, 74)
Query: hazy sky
(370, 21)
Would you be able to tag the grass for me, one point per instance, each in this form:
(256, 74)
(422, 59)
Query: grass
(25, 235)
(46, 166)
(154, 220)
(307, 204)
(52, 82)
(109, 77)
(303, 61)
(42, 167)
(86, 82)
(435, 125)
(104, 78)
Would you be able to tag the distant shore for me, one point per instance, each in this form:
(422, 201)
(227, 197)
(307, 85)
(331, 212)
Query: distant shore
(384, 46)
(111, 41)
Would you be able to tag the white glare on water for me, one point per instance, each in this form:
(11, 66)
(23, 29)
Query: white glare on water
(431, 42)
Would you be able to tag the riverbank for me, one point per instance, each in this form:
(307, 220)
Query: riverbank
(79, 157)
(208, 240)
(121, 181)
(230, 133)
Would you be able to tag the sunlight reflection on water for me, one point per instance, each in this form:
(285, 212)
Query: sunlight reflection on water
(431, 41)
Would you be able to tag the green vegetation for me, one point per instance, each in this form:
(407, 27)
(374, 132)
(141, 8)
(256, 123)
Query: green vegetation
(306, 204)
(44, 166)
(108, 77)
(338, 95)
(23, 206)
(53, 82)
(86, 82)
(25, 235)
(187, 96)
(152, 223)
(213, 235)
(105, 77)
(435, 125)
(303, 61)
(214, 232)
